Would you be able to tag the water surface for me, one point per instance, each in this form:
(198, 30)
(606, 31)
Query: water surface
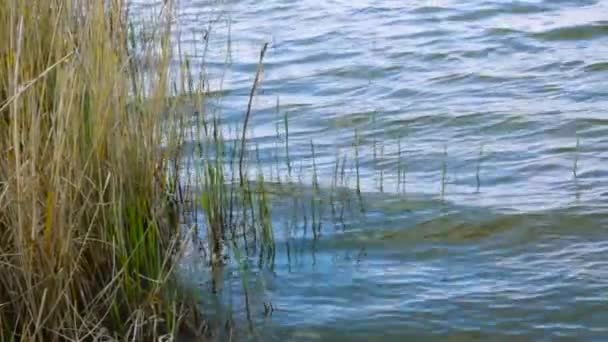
(488, 223)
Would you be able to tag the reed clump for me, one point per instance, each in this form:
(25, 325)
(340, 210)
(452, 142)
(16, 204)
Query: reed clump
(88, 228)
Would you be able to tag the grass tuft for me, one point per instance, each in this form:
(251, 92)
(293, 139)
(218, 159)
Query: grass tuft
(89, 227)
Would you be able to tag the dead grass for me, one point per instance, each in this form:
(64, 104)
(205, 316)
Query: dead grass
(88, 232)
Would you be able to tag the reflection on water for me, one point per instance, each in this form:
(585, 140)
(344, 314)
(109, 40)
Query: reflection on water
(482, 149)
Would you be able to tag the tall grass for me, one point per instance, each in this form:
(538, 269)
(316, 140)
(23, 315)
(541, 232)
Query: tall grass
(88, 227)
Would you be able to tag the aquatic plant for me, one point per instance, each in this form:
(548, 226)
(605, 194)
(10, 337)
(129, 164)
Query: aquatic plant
(89, 212)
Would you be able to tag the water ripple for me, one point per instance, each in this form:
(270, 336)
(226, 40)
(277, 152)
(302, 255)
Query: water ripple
(499, 110)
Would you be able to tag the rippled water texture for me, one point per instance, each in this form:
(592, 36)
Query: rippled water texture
(500, 109)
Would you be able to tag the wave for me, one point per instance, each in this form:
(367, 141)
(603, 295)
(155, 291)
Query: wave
(577, 32)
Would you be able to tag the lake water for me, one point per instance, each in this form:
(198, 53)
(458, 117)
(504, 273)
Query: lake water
(483, 152)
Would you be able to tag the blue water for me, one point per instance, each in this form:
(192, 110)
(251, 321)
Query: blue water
(483, 163)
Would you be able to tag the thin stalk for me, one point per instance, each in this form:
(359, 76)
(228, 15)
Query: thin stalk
(357, 165)
(399, 162)
(248, 113)
(576, 156)
(287, 160)
(381, 167)
(444, 170)
(477, 172)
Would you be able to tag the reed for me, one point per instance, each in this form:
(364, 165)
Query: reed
(357, 163)
(576, 157)
(334, 186)
(89, 221)
(287, 160)
(444, 171)
(315, 187)
(381, 180)
(478, 168)
(400, 168)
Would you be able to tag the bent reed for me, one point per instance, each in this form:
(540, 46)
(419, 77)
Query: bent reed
(89, 229)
